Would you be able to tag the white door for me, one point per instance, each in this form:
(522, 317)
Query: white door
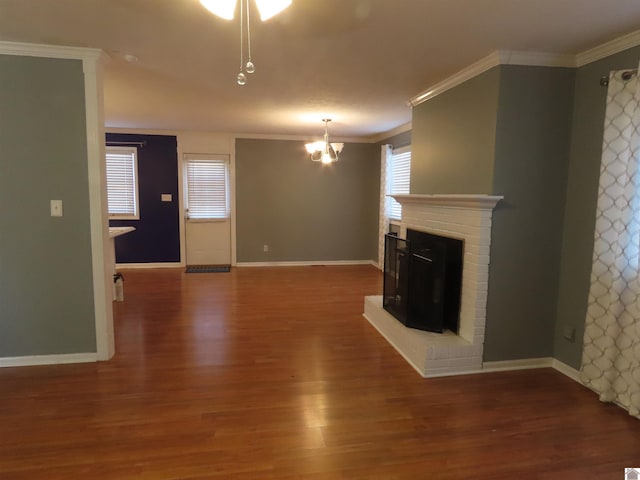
(207, 209)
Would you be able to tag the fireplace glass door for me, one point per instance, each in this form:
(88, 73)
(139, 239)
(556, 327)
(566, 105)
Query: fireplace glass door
(396, 277)
(422, 281)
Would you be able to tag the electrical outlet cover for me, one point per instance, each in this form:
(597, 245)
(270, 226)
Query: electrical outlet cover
(56, 208)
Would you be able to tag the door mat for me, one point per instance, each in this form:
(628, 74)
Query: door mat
(207, 268)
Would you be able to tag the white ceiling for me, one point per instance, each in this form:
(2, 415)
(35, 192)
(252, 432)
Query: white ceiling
(356, 61)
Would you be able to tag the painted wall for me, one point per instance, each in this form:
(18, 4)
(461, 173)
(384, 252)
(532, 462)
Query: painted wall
(582, 191)
(506, 132)
(530, 171)
(157, 235)
(453, 140)
(46, 293)
(397, 141)
(303, 210)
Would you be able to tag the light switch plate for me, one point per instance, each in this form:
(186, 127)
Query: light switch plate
(166, 197)
(56, 208)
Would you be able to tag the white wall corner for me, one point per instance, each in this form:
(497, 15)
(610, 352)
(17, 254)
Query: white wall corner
(99, 225)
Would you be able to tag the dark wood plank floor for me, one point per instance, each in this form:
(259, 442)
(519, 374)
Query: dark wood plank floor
(273, 373)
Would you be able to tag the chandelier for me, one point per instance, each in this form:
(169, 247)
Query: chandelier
(226, 9)
(324, 151)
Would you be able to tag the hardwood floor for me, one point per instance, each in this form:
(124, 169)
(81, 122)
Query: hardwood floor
(273, 373)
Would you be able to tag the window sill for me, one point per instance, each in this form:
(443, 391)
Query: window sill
(207, 220)
(123, 217)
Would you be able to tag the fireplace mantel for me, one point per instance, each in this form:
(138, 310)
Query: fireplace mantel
(472, 201)
(467, 218)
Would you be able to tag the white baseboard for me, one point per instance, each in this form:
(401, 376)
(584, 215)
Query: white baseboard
(306, 264)
(565, 369)
(32, 360)
(522, 364)
(151, 265)
(528, 363)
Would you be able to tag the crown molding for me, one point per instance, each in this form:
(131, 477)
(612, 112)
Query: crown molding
(302, 138)
(250, 136)
(49, 51)
(610, 48)
(499, 57)
(536, 59)
(406, 127)
(467, 73)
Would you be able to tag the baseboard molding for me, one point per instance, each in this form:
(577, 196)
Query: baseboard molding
(565, 369)
(529, 363)
(306, 264)
(32, 360)
(521, 364)
(151, 265)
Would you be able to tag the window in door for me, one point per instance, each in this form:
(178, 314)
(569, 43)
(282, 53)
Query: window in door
(206, 187)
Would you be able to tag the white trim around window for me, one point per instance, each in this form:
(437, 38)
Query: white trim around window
(399, 179)
(122, 183)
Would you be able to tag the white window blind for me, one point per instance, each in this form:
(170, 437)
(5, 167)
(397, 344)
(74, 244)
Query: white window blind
(122, 182)
(400, 179)
(206, 189)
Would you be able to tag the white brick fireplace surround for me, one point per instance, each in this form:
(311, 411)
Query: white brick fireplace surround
(467, 218)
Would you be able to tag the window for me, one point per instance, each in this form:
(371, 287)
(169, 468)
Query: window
(206, 187)
(122, 183)
(400, 175)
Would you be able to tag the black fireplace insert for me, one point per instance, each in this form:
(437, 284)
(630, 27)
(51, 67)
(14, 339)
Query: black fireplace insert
(423, 280)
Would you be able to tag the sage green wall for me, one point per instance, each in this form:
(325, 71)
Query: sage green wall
(397, 141)
(46, 296)
(506, 132)
(453, 139)
(530, 171)
(582, 192)
(303, 210)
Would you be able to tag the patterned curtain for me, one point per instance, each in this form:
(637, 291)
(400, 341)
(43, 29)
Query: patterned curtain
(611, 354)
(385, 188)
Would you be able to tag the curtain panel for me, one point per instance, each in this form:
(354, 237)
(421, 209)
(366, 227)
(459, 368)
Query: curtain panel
(611, 353)
(385, 202)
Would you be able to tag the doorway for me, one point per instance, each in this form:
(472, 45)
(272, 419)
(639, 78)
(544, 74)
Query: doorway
(207, 209)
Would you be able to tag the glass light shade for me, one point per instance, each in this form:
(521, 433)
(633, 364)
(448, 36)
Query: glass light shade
(314, 147)
(269, 8)
(326, 157)
(337, 147)
(222, 8)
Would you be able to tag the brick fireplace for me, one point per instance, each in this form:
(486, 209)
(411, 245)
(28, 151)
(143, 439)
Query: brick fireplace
(463, 217)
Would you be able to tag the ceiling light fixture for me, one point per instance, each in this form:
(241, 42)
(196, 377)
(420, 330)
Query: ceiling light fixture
(324, 151)
(226, 9)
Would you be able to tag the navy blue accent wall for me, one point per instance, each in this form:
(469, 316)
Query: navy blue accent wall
(157, 235)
